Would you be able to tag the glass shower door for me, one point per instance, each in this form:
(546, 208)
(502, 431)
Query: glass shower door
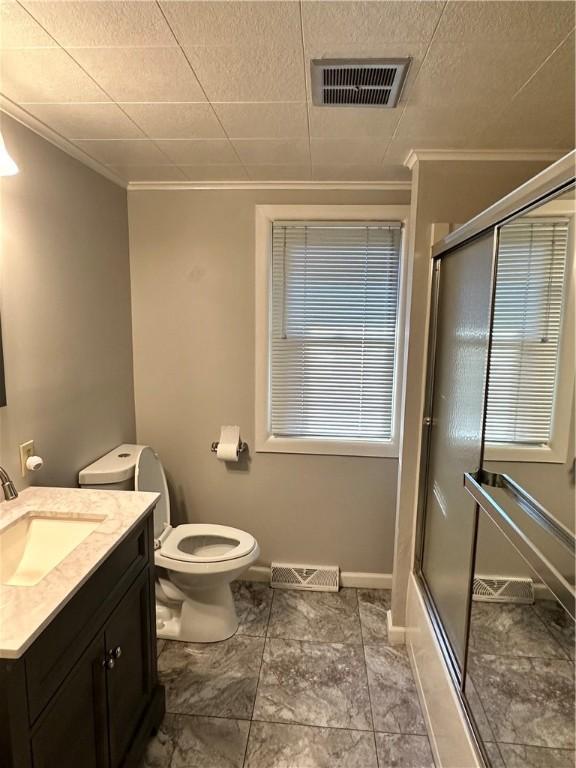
(453, 444)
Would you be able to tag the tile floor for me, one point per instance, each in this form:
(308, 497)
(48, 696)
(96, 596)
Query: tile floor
(521, 683)
(308, 681)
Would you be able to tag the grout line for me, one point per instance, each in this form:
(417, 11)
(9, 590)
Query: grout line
(539, 67)
(247, 743)
(569, 750)
(104, 91)
(258, 682)
(481, 707)
(367, 682)
(407, 102)
(505, 107)
(208, 101)
(518, 657)
(308, 95)
(550, 634)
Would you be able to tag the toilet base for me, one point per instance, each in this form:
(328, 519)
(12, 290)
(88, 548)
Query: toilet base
(204, 616)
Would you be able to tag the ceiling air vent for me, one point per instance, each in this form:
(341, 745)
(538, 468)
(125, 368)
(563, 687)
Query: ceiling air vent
(358, 82)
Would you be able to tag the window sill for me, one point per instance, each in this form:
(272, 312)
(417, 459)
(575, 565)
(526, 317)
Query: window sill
(537, 454)
(271, 444)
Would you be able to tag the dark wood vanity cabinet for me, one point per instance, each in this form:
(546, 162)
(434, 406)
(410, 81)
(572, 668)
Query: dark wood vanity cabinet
(85, 694)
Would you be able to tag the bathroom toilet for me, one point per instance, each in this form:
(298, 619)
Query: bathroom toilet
(195, 562)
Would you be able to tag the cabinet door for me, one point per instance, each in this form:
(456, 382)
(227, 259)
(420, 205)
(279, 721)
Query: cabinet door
(130, 652)
(73, 731)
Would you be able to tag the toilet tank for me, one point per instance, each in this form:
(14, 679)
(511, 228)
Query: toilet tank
(113, 471)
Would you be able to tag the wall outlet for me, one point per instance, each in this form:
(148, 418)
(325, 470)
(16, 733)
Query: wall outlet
(26, 450)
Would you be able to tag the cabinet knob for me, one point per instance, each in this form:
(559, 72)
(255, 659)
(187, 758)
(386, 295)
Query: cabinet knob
(112, 654)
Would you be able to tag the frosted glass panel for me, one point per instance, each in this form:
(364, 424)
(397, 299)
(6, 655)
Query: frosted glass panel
(461, 355)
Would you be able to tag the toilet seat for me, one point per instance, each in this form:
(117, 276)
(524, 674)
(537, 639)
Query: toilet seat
(204, 543)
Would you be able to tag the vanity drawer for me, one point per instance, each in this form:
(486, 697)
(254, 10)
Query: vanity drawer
(54, 653)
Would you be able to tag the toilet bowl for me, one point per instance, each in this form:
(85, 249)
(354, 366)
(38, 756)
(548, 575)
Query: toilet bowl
(195, 562)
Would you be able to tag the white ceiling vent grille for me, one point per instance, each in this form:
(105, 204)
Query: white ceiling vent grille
(358, 82)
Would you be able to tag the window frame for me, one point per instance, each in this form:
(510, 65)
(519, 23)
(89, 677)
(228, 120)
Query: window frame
(265, 441)
(556, 451)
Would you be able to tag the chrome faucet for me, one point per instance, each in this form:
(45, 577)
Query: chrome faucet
(10, 491)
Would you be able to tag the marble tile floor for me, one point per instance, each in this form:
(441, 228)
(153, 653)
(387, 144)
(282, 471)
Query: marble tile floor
(521, 683)
(308, 681)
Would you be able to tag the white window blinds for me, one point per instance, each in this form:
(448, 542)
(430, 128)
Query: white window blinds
(526, 332)
(334, 305)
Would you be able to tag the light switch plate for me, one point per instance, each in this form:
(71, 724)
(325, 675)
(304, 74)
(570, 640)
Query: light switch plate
(26, 450)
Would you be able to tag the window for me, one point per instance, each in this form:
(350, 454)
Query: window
(527, 330)
(333, 336)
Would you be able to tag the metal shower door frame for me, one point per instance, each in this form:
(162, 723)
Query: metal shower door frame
(552, 186)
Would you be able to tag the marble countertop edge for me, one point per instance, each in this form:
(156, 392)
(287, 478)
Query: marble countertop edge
(25, 611)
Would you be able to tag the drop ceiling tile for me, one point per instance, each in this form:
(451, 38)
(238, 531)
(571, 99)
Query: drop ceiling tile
(352, 122)
(451, 125)
(332, 24)
(249, 73)
(176, 121)
(19, 30)
(505, 21)
(263, 120)
(235, 23)
(141, 74)
(352, 172)
(347, 151)
(476, 72)
(124, 152)
(542, 114)
(273, 151)
(214, 172)
(279, 172)
(102, 24)
(86, 121)
(148, 172)
(199, 151)
(45, 75)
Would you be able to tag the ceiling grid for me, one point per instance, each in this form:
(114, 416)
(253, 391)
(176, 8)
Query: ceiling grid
(201, 91)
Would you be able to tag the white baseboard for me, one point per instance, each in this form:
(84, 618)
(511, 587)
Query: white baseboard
(396, 635)
(257, 573)
(424, 705)
(347, 578)
(366, 580)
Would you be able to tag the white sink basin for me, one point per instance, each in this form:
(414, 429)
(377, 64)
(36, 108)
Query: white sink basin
(37, 542)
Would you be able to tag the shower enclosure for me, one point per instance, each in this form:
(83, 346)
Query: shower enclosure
(495, 544)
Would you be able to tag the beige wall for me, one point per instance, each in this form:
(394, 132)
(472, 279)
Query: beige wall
(442, 191)
(192, 264)
(65, 304)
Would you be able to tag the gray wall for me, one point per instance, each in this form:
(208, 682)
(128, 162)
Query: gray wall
(192, 265)
(65, 306)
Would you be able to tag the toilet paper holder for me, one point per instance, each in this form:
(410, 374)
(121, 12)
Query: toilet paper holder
(242, 446)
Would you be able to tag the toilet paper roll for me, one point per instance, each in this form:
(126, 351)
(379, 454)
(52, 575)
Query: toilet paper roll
(228, 444)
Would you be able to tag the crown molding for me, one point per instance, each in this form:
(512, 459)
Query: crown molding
(135, 186)
(482, 154)
(557, 176)
(19, 114)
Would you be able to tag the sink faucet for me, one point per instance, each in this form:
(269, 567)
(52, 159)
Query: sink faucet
(7, 485)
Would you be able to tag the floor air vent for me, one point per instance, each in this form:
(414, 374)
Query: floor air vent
(494, 590)
(320, 578)
(358, 82)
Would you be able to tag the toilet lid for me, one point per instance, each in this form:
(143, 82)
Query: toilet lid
(149, 476)
(206, 543)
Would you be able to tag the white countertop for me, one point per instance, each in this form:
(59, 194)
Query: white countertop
(26, 611)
